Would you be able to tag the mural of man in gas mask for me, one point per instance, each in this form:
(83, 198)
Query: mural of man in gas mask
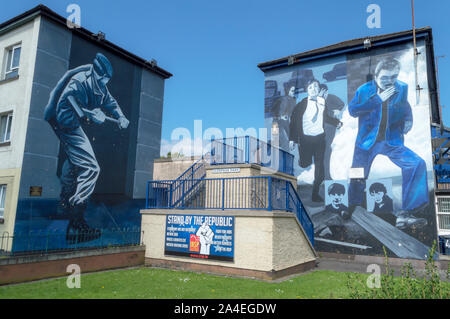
(384, 118)
(81, 95)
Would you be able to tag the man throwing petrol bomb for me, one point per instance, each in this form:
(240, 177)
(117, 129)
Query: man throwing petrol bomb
(81, 95)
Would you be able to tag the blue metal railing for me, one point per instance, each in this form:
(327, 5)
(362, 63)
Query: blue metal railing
(441, 154)
(250, 150)
(208, 193)
(256, 193)
(302, 216)
(174, 191)
(53, 241)
(195, 171)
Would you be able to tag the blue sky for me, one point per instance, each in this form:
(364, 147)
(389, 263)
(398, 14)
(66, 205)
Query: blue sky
(213, 47)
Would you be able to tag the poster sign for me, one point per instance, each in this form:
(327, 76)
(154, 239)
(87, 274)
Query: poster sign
(200, 236)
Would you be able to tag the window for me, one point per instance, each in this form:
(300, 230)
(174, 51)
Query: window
(2, 200)
(5, 127)
(444, 213)
(12, 61)
(443, 204)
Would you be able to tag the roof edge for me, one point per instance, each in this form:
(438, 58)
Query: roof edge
(340, 47)
(44, 11)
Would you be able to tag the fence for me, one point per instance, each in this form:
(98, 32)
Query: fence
(257, 193)
(250, 150)
(52, 241)
(224, 193)
(195, 171)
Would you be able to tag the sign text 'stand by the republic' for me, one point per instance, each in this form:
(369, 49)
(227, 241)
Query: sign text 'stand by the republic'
(200, 236)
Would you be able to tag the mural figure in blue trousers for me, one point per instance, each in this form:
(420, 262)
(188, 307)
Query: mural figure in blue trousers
(384, 117)
(81, 94)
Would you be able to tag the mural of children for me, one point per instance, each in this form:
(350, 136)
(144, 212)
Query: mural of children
(336, 192)
(383, 204)
(333, 219)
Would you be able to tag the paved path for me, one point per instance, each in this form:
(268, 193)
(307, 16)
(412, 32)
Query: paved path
(343, 265)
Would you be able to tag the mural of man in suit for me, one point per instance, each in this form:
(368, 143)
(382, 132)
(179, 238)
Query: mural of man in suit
(81, 95)
(306, 129)
(334, 108)
(384, 118)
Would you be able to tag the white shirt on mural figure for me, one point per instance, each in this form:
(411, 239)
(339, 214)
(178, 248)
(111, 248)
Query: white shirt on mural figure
(206, 235)
(313, 117)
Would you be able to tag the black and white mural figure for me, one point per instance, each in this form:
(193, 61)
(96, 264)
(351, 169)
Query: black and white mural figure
(384, 118)
(336, 199)
(81, 96)
(382, 202)
(331, 222)
(379, 200)
(334, 107)
(307, 131)
(282, 109)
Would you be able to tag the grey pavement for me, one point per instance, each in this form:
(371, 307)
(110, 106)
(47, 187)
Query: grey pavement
(357, 266)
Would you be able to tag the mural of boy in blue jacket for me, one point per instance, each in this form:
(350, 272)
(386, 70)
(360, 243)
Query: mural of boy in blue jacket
(80, 95)
(384, 117)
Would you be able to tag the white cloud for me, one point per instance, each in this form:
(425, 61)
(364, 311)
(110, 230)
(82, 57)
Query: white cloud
(185, 146)
(306, 176)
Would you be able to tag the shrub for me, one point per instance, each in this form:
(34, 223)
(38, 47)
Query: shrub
(408, 286)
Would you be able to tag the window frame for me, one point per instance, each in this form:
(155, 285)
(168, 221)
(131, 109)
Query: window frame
(9, 120)
(3, 190)
(9, 68)
(442, 212)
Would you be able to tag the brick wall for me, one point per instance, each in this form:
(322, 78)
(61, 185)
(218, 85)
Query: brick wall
(28, 268)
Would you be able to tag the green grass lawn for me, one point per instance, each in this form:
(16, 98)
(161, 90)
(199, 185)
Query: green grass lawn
(161, 283)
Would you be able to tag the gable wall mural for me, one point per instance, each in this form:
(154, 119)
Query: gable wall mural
(362, 144)
(82, 166)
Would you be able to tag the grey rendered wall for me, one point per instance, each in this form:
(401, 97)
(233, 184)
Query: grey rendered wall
(52, 61)
(149, 130)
